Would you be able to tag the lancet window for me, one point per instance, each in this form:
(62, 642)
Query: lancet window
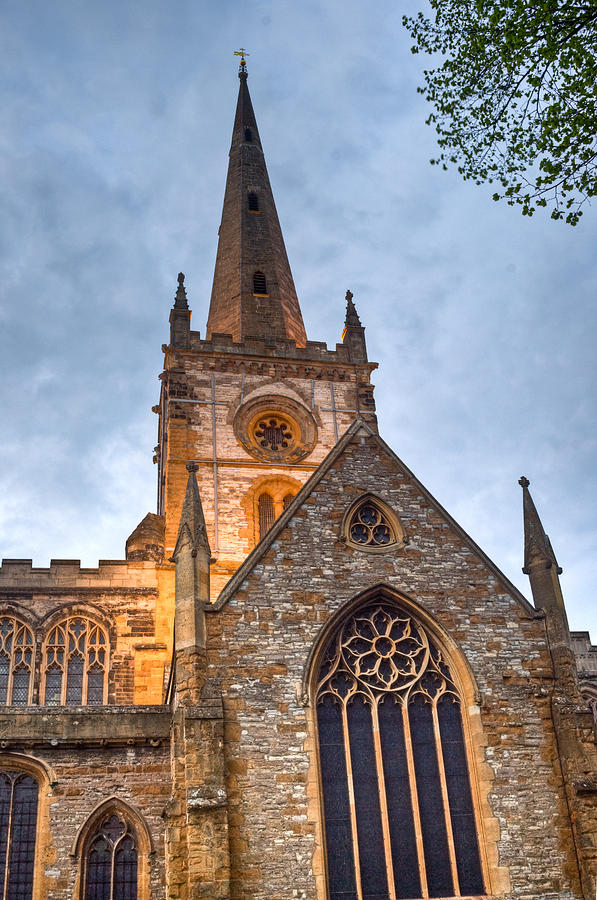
(18, 826)
(267, 515)
(17, 654)
(75, 663)
(253, 202)
(110, 866)
(398, 808)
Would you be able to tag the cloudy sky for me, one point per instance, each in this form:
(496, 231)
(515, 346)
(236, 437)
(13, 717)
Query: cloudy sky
(117, 122)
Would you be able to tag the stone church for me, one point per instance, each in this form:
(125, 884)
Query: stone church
(304, 680)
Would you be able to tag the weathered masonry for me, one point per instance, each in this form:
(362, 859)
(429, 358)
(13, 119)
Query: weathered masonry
(305, 680)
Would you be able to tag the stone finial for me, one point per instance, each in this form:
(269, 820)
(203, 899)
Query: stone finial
(523, 482)
(192, 467)
(180, 301)
(352, 317)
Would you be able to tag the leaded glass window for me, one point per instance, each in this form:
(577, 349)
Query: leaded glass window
(75, 664)
(111, 862)
(18, 824)
(17, 653)
(399, 817)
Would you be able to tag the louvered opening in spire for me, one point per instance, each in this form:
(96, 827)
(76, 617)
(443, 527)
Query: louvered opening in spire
(251, 245)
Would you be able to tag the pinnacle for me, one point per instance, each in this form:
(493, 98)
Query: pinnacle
(537, 546)
(192, 520)
(180, 301)
(352, 317)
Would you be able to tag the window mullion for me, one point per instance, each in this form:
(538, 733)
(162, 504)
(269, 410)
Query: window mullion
(446, 801)
(352, 804)
(415, 800)
(112, 864)
(65, 663)
(85, 667)
(383, 802)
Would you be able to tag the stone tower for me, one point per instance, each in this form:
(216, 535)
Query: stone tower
(255, 405)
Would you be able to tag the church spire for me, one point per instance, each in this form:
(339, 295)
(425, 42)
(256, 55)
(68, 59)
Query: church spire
(253, 292)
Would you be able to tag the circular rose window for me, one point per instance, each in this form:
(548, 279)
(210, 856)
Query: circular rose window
(274, 433)
(275, 428)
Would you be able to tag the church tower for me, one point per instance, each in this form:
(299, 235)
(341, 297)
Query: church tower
(254, 404)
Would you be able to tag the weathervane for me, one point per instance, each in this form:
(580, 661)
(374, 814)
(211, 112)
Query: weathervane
(243, 63)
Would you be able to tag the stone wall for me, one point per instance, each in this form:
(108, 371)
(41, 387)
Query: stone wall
(270, 618)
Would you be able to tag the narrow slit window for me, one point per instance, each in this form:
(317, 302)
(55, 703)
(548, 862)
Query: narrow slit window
(248, 135)
(398, 808)
(267, 514)
(253, 202)
(259, 283)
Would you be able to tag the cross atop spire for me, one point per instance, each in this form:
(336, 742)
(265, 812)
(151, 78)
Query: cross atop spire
(242, 69)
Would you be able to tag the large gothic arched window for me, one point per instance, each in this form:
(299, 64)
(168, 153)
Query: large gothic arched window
(399, 817)
(18, 825)
(75, 663)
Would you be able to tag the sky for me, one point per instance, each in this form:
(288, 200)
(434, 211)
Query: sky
(117, 124)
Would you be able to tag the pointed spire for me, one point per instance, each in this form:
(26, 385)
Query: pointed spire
(537, 546)
(191, 529)
(253, 292)
(180, 301)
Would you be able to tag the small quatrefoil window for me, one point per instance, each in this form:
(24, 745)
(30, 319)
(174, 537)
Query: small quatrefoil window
(370, 526)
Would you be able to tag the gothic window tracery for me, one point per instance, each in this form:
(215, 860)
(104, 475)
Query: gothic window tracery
(18, 826)
(75, 663)
(17, 654)
(369, 525)
(111, 862)
(398, 808)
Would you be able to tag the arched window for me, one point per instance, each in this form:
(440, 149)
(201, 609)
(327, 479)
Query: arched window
(253, 202)
(18, 825)
(248, 135)
(75, 664)
(399, 817)
(110, 864)
(259, 283)
(287, 500)
(17, 651)
(267, 515)
(370, 525)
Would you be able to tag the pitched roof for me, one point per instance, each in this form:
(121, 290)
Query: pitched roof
(359, 427)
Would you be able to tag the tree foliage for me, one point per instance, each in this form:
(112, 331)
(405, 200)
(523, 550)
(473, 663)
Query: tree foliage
(515, 98)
